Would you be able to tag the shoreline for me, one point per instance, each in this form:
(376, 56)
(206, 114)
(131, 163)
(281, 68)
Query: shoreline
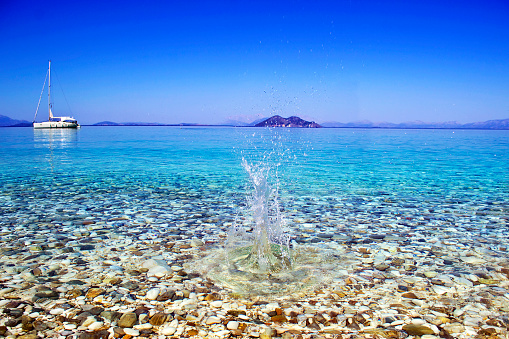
(106, 281)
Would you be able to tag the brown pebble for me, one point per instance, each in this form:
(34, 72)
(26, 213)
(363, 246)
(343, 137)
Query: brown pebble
(39, 325)
(127, 319)
(28, 336)
(118, 332)
(36, 271)
(279, 318)
(410, 295)
(213, 296)
(397, 262)
(236, 313)
(27, 327)
(413, 329)
(94, 292)
(192, 332)
(141, 310)
(382, 267)
(76, 292)
(158, 319)
(166, 295)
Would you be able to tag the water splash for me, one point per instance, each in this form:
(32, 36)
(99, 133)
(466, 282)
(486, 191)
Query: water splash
(259, 256)
(267, 248)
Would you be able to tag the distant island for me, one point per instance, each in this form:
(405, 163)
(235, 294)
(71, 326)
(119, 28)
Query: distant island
(278, 121)
(293, 121)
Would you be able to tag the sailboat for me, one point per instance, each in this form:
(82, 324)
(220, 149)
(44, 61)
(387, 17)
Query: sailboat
(53, 122)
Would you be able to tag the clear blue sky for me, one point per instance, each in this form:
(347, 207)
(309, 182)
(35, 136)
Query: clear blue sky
(192, 61)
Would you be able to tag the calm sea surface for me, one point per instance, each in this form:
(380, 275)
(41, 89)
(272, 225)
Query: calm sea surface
(171, 175)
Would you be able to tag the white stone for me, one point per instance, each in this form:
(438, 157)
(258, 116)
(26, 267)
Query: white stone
(430, 274)
(56, 311)
(6, 290)
(156, 267)
(152, 294)
(213, 320)
(95, 325)
(69, 326)
(463, 281)
(418, 321)
(179, 331)
(232, 325)
(168, 330)
(90, 320)
(216, 304)
(222, 334)
(131, 331)
(145, 326)
(473, 260)
(160, 273)
(440, 289)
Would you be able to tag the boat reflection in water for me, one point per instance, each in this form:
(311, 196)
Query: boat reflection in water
(55, 137)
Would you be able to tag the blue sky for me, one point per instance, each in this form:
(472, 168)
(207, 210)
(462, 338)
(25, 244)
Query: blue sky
(206, 62)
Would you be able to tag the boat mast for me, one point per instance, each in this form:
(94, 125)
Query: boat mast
(49, 91)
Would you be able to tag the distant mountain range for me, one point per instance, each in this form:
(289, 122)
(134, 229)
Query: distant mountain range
(275, 121)
(278, 121)
(490, 124)
(5, 121)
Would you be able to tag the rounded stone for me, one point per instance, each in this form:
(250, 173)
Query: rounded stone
(127, 320)
(216, 304)
(94, 292)
(95, 325)
(152, 294)
(158, 319)
(131, 332)
(419, 330)
(168, 330)
(232, 325)
(213, 320)
(56, 311)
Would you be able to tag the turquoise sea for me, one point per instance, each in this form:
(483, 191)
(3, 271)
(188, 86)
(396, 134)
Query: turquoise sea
(326, 177)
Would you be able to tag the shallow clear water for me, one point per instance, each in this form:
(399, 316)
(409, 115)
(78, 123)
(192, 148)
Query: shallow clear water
(327, 177)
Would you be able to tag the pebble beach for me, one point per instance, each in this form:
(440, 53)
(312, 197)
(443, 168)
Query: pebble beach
(131, 275)
(124, 257)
